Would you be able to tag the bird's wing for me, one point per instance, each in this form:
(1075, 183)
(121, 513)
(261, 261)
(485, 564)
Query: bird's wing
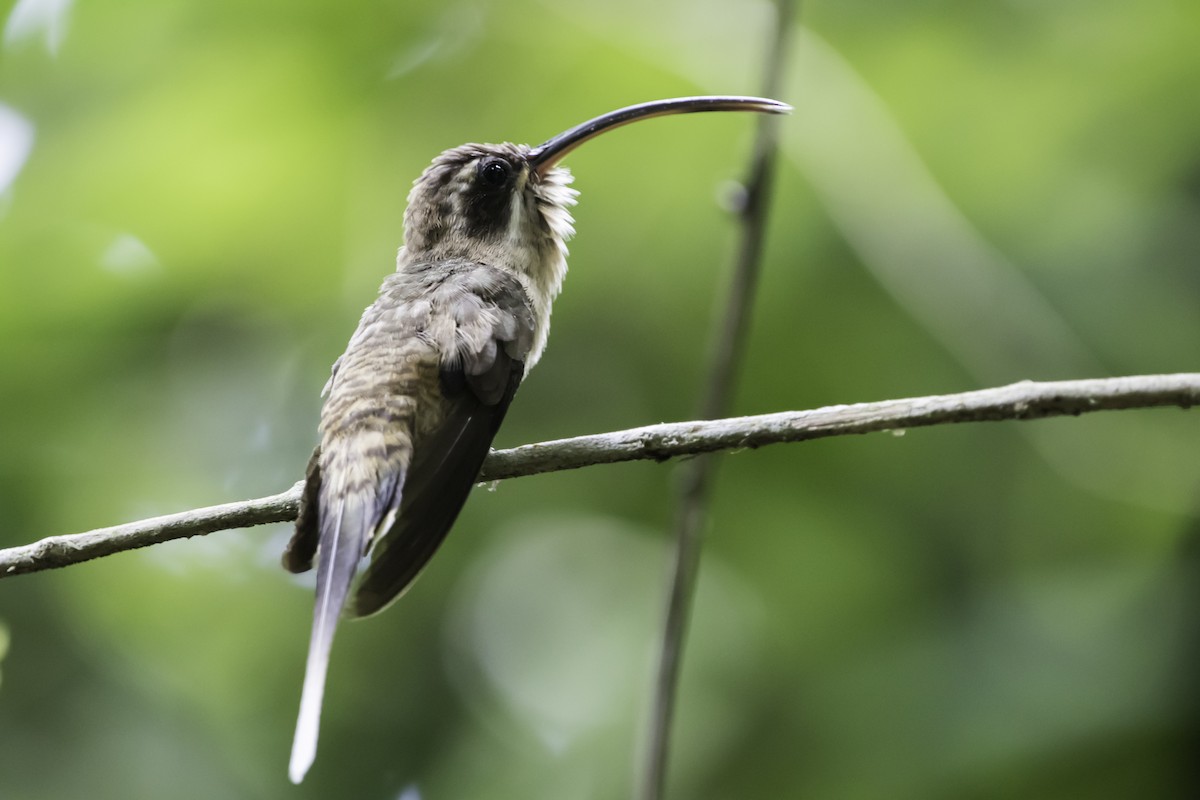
(495, 325)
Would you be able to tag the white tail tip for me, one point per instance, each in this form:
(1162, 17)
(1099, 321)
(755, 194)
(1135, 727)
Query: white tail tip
(304, 746)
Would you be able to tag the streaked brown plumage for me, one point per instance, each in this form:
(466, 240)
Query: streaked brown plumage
(413, 404)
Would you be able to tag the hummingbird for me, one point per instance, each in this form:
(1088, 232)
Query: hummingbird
(412, 405)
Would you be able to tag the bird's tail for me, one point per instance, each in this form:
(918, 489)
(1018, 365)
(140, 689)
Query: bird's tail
(343, 539)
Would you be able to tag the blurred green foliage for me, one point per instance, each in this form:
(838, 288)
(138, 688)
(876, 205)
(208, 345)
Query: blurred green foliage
(970, 194)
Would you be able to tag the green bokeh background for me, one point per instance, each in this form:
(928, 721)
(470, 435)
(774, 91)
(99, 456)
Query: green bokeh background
(969, 194)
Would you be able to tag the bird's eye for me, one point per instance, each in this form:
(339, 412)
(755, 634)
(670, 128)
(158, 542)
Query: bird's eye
(495, 172)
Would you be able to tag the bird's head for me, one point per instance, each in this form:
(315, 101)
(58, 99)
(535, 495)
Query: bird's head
(508, 204)
(495, 203)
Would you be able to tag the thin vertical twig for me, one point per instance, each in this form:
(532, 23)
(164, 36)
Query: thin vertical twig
(697, 476)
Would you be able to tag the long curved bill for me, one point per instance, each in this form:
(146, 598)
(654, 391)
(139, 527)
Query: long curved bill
(549, 153)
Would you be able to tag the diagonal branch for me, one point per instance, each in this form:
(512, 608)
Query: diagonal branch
(1018, 401)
